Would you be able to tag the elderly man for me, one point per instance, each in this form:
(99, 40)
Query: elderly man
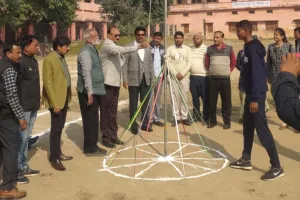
(199, 78)
(57, 96)
(90, 86)
(138, 75)
(112, 60)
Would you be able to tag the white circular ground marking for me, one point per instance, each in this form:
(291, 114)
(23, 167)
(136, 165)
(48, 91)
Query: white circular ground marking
(189, 161)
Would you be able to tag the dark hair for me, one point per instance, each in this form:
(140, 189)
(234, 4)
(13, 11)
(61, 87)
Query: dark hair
(245, 25)
(61, 41)
(178, 33)
(110, 28)
(297, 29)
(26, 40)
(222, 34)
(158, 34)
(9, 46)
(139, 28)
(282, 33)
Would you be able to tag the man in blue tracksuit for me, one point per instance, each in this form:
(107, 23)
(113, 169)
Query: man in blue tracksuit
(255, 86)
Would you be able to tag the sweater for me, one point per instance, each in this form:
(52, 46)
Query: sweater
(198, 60)
(179, 59)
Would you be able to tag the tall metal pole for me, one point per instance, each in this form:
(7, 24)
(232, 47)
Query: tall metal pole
(165, 77)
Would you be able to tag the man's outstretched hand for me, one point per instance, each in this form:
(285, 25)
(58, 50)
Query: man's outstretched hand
(291, 63)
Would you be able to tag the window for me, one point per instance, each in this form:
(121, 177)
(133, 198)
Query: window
(186, 28)
(297, 23)
(251, 12)
(87, 1)
(297, 9)
(196, 1)
(234, 12)
(212, 1)
(185, 14)
(254, 26)
(209, 13)
(231, 26)
(209, 27)
(269, 11)
(271, 25)
(233, 0)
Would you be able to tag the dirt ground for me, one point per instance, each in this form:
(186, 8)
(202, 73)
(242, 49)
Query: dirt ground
(204, 175)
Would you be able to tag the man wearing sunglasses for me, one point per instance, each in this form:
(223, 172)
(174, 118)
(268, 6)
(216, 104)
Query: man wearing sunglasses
(112, 60)
(138, 75)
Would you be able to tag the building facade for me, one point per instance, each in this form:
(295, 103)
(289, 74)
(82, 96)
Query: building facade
(207, 16)
(87, 16)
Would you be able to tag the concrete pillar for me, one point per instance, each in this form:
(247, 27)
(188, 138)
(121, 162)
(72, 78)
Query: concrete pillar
(2, 33)
(53, 31)
(90, 25)
(92, 1)
(104, 30)
(30, 29)
(157, 29)
(189, 1)
(73, 31)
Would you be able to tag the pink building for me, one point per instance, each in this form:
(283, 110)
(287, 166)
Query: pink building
(207, 16)
(88, 16)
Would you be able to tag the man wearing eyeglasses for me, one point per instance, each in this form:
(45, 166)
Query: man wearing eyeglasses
(112, 60)
(138, 75)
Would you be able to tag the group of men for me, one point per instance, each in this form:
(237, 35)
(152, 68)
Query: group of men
(198, 69)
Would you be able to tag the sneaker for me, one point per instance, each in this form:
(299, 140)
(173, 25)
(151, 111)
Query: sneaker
(273, 174)
(241, 164)
(21, 179)
(30, 172)
(33, 141)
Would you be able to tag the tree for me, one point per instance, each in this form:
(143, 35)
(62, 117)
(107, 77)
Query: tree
(17, 12)
(128, 14)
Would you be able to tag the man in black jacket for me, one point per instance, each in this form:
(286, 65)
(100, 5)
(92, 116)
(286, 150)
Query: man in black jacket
(255, 86)
(30, 100)
(11, 117)
(157, 51)
(297, 39)
(286, 90)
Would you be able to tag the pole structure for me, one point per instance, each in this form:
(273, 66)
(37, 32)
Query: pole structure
(165, 78)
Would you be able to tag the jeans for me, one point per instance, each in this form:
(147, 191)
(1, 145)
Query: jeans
(30, 118)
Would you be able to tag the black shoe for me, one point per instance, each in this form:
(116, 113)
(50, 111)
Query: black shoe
(109, 144)
(226, 126)
(30, 172)
(118, 142)
(273, 174)
(33, 141)
(134, 131)
(186, 122)
(145, 129)
(158, 123)
(21, 179)
(174, 123)
(241, 164)
(98, 152)
(211, 125)
(65, 158)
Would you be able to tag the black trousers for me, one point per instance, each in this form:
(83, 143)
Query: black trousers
(222, 86)
(199, 88)
(9, 148)
(90, 121)
(108, 113)
(57, 125)
(258, 121)
(134, 92)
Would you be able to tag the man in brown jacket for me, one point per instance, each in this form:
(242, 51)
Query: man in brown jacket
(56, 96)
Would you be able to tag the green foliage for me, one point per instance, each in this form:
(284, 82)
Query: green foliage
(128, 14)
(16, 12)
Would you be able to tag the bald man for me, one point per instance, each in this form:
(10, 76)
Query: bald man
(199, 79)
